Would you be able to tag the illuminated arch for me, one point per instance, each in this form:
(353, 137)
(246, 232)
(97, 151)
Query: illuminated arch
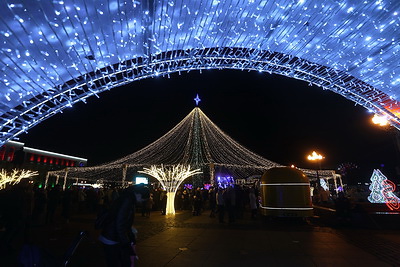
(57, 52)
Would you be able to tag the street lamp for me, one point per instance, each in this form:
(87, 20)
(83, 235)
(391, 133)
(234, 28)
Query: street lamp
(380, 120)
(316, 158)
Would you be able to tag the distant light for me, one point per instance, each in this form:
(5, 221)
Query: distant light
(141, 180)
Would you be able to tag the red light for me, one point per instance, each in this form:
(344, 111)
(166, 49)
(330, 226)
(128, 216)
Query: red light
(44, 159)
(3, 153)
(388, 188)
(51, 161)
(10, 154)
(38, 158)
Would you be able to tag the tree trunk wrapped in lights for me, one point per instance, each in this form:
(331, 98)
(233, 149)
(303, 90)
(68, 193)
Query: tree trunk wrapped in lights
(14, 177)
(170, 178)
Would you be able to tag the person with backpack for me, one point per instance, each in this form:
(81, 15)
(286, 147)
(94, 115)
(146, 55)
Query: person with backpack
(118, 235)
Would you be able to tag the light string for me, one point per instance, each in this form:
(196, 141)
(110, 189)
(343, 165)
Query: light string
(170, 178)
(54, 55)
(194, 141)
(14, 177)
(382, 191)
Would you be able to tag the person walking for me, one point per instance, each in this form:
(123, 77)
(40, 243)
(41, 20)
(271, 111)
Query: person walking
(66, 205)
(149, 205)
(118, 235)
(220, 205)
(53, 201)
(212, 201)
(230, 202)
(163, 202)
(253, 203)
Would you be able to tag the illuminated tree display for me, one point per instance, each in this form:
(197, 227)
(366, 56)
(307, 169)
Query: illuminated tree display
(170, 178)
(382, 191)
(194, 141)
(14, 177)
(55, 53)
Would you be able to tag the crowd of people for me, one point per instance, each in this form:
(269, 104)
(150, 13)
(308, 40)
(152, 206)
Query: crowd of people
(26, 204)
(232, 200)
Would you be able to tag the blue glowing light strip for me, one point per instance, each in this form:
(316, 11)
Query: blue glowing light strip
(72, 95)
(50, 47)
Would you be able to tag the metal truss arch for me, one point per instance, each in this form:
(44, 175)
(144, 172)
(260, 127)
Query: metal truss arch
(51, 102)
(56, 52)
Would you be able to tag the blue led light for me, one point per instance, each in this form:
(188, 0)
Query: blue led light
(197, 99)
(55, 53)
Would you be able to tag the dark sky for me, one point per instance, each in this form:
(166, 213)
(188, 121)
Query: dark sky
(280, 118)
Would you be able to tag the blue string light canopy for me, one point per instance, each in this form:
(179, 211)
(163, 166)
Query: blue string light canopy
(55, 53)
(194, 141)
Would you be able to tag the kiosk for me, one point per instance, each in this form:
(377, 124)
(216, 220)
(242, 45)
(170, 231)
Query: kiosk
(285, 192)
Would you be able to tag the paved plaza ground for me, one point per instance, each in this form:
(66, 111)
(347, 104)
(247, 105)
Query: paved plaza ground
(186, 240)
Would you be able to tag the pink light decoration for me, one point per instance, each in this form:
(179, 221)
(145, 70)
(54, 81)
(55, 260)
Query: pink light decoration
(392, 202)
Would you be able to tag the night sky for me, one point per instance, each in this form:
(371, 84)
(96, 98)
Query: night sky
(279, 118)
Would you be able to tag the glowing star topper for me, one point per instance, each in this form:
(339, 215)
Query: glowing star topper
(197, 99)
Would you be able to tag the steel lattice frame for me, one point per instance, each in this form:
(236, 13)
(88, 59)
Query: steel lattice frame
(56, 53)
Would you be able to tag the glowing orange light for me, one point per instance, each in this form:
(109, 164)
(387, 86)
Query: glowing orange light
(315, 156)
(380, 120)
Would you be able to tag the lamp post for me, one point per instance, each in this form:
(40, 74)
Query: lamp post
(380, 120)
(316, 158)
(383, 122)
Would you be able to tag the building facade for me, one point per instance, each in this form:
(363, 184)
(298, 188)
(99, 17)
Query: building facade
(15, 155)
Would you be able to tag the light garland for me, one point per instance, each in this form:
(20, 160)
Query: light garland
(195, 141)
(382, 191)
(56, 53)
(14, 177)
(170, 178)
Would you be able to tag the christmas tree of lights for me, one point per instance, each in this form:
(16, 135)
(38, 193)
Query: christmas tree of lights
(194, 141)
(170, 178)
(14, 177)
(382, 191)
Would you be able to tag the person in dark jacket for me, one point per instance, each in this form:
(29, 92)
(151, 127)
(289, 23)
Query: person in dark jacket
(118, 234)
